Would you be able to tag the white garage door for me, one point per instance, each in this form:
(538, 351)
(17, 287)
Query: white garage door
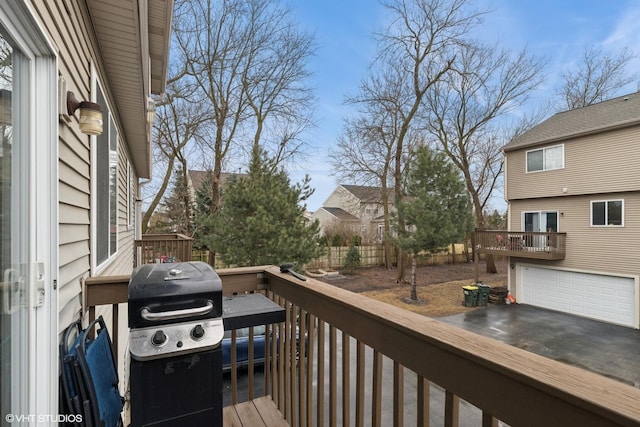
(607, 298)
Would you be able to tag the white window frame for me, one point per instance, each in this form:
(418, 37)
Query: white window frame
(41, 172)
(540, 217)
(131, 202)
(606, 213)
(544, 166)
(108, 124)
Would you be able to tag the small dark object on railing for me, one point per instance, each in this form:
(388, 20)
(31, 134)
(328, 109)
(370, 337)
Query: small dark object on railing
(287, 268)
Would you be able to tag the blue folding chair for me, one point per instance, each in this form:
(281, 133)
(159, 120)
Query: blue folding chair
(89, 376)
(74, 399)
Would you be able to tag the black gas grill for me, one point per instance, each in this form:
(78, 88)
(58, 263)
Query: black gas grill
(175, 317)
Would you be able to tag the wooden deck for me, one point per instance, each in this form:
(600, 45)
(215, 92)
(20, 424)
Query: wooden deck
(352, 341)
(522, 244)
(255, 413)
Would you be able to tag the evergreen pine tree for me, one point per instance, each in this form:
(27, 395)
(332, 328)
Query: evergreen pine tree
(352, 260)
(436, 209)
(178, 207)
(261, 220)
(203, 212)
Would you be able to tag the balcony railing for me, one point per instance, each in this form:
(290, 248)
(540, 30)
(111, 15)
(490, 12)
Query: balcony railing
(523, 244)
(158, 248)
(351, 342)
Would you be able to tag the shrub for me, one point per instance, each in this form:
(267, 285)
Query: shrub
(351, 260)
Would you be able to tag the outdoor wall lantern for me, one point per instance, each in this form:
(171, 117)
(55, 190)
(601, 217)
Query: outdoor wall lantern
(90, 119)
(151, 110)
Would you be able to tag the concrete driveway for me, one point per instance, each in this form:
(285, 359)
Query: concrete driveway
(600, 347)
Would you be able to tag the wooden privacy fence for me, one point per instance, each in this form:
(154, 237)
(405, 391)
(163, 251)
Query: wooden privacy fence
(370, 256)
(334, 257)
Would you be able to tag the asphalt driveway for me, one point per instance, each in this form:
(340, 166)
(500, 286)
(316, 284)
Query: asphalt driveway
(610, 350)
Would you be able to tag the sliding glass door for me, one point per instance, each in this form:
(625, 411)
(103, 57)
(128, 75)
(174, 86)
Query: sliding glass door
(539, 221)
(14, 234)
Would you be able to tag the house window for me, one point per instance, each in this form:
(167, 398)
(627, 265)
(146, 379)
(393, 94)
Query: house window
(106, 180)
(541, 221)
(607, 212)
(131, 191)
(545, 159)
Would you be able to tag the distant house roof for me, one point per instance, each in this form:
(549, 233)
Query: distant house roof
(607, 115)
(341, 214)
(198, 177)
(368, 194)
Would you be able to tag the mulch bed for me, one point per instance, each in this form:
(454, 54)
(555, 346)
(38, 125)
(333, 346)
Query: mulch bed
(380, 278)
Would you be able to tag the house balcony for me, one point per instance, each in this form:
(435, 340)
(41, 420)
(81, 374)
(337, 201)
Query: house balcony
(158, 248)
(522, 244)
(369, 363)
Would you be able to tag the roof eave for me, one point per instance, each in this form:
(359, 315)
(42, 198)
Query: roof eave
(515, 147)
(134, 76)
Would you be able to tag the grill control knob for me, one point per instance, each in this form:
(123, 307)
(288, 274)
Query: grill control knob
(158, 338)
(197, 332)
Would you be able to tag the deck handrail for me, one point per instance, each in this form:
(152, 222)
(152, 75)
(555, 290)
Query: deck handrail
(548, 245)
(518, 387)
(162, 248)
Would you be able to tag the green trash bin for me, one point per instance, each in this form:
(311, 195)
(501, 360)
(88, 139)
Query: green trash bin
(470, 295)
(483, 294)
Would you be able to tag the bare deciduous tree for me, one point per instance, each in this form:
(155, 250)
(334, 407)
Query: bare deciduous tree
(484, 84)
(275, 86)
(248, 61)
(415, 50)
(596, 79)
(364, 154)
(178, 123)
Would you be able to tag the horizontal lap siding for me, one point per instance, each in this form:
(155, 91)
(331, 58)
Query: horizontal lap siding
(65, 24)
(603, 249)
(593, 164)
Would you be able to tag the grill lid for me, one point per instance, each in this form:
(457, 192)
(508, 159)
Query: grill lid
(165, 293)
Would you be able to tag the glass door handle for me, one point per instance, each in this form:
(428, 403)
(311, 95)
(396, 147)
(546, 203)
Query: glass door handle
(11, 291)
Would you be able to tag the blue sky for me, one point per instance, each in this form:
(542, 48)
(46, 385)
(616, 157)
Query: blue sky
(556, 29)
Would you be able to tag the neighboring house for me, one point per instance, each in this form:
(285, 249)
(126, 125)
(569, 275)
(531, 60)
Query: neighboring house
(336, 218)
(355, 207)
(196, 178)
(578, 173)
(68, 197)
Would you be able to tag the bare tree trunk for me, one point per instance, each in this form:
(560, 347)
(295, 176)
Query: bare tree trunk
(453, 252)
(158, 197)
(401, 257)
(414, 292)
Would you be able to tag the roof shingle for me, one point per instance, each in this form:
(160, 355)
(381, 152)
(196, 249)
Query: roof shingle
(615, 113)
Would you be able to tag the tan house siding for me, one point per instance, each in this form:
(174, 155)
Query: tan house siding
(77, 51)
(74, 154)
(324, 218)
(603, 249)
(609, 154)
(341, 198)
(66, 24)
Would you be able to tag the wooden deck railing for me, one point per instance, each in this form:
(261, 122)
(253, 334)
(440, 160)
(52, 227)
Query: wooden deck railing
(337, 374)
(523, 244)
(157, 248)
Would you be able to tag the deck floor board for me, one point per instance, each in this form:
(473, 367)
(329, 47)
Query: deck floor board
(256, 413)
